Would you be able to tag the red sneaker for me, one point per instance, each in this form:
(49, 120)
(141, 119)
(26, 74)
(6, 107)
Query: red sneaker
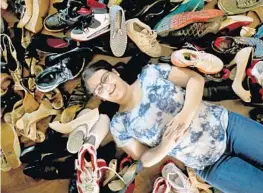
(95, 4)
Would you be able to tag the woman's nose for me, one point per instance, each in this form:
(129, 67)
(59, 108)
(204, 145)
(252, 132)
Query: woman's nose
(108, 86)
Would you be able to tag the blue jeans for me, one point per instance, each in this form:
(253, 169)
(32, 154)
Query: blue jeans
(240, 168)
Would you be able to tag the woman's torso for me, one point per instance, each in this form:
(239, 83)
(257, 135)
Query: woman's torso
(161, 101)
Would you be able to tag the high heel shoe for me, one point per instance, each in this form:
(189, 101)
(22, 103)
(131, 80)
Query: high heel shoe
(242, 59)
(89, 119)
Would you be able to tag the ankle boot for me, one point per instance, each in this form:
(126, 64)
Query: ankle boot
(217, 91)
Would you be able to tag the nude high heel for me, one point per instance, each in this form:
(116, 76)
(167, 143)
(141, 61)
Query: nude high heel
(89, 119)
(242, 58)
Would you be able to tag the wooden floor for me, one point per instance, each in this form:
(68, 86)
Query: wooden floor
(15, 181)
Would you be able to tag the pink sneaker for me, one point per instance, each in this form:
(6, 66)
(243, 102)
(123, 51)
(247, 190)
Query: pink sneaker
(89, 174)
(178, 181)
(161, 186)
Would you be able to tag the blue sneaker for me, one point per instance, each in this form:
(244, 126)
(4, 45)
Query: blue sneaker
(259, 33)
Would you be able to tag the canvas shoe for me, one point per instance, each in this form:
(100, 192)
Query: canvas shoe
(144, 37)
(178, 181)
(118, 34)
(231, 45)
(204, 62)
(93, 27)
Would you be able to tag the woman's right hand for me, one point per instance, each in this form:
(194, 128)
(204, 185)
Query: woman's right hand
(170, 137)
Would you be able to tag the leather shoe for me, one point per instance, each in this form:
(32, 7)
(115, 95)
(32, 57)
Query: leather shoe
(51, 171)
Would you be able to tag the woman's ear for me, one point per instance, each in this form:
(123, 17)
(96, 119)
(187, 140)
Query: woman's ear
(115, 72)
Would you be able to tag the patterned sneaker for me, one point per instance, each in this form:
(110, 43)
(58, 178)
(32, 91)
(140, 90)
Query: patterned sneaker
(181, 20)
(231, 45)
(65, 19)
(143, 36)
(198, 30)
(93, 27)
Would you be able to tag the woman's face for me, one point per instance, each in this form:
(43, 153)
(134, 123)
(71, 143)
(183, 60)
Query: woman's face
(107, 85)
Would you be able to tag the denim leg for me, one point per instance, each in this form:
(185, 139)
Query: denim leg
(245, 139)
(233, 175)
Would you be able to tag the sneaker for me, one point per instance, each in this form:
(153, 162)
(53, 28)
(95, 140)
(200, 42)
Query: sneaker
(144, 37)
(231, 45)
(89, 174)
(161, 186)
(204, 62)
(198, 29)
(94, 27)
(93, 4)
(181, 20)
(232, 7)
(257, 114)
(64, 70)
(118, 34)
(177, 179)
(65, 19)
(257, 72)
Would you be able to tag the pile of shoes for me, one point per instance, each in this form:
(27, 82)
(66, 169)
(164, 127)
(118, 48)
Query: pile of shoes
(43, 54)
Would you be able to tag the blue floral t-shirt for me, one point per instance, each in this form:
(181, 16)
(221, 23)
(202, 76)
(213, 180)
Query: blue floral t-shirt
(161, 101)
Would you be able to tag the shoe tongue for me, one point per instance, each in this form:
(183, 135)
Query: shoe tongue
(145, 31)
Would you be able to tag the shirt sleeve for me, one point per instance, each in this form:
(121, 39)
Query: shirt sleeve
(119, 133)
(163, 69)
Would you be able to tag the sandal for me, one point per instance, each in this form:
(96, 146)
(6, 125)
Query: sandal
(28, 121)
(110, 174)
(6, 80)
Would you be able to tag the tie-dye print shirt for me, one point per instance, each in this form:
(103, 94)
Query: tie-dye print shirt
(161, 101)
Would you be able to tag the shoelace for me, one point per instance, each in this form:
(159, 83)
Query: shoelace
(151, 36)
(199, 59)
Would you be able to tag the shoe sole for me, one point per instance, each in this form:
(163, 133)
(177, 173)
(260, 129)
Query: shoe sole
(183, 19)
(9, 142)
(75, 141)
(238, 21)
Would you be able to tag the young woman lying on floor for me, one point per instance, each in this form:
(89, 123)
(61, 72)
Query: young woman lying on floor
(157, 117)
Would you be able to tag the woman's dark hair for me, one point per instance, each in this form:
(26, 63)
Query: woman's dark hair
(91, 69)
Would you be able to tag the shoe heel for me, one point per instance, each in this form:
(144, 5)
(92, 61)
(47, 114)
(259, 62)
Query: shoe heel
(40, 8)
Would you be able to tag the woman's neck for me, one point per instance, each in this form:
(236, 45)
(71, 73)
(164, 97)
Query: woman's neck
(131, 99)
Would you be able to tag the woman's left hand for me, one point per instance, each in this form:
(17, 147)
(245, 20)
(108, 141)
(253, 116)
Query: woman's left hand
(180, 122)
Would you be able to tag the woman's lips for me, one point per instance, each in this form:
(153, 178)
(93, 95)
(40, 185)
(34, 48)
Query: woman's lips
(113, 89)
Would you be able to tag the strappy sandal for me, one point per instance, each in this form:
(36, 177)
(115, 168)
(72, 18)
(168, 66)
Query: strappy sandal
(28, 121)
(10, 56)
(110, 174)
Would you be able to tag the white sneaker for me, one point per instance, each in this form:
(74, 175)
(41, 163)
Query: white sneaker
(98, 25)
(204, 62)
(161, 186)
(144, 37)
(257, 72)
(177, 179)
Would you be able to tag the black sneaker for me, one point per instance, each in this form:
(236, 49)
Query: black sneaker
(257, 114)
(65, 19)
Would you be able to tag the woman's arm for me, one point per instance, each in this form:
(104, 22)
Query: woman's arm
(194, 84)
